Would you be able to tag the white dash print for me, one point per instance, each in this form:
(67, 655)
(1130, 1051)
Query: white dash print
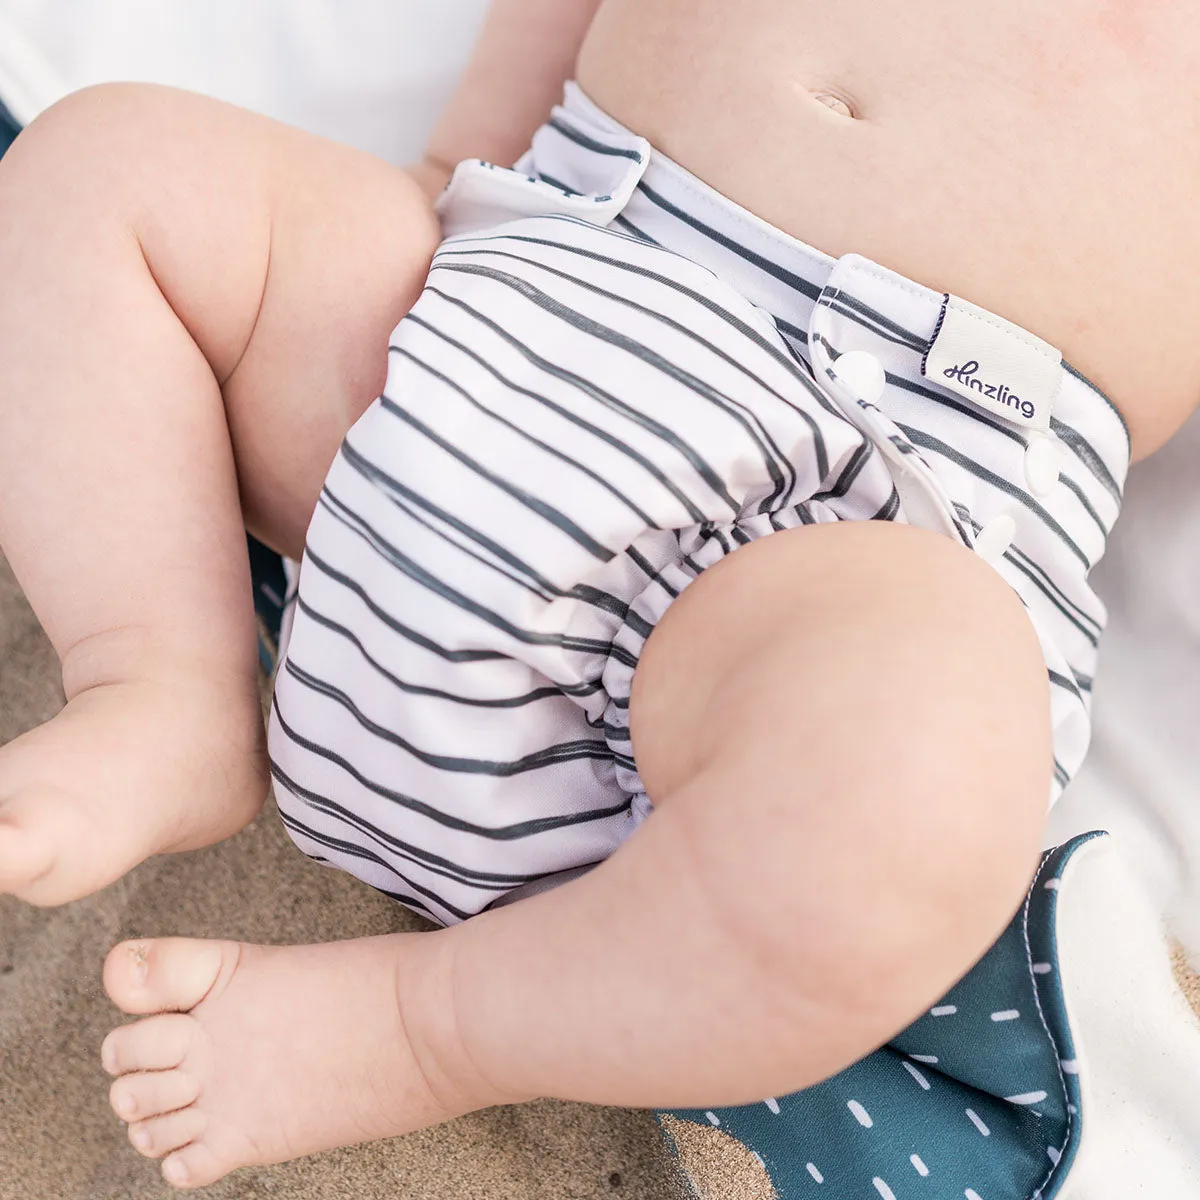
(1009, 1014)
(1027, 1098)
(815, 1173)
(978, 1123)
(943, 1010)
(972, 1194)
(860, 1114)
(931, 1059)
(917, 1076)
(1052, 885)
(920, 1168)
(1070, 1066)
(883, 1189)
(1042, 968)
(1055, 1155)
(758, 1158)
(773, 1105)
(713, 1118)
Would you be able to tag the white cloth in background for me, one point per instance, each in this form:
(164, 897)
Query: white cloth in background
(1142, 778)
(374, 73)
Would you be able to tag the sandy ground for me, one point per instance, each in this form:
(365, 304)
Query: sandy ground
(60, 1141)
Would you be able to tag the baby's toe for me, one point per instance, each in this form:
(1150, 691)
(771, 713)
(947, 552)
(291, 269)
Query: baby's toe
(167, 974)
(194, 1166)
(26, 856)
(156, 1044)
(140, 1097)
(160, 1135)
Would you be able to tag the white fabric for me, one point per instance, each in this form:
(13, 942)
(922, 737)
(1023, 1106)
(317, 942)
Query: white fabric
(993, 363)
(374, 73)
(1137, 1043)
(1141, 778)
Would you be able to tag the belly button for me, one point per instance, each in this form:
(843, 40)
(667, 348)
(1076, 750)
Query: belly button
(836, 104)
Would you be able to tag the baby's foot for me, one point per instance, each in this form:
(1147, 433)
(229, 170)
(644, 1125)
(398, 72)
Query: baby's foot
(262, 1054)
(125, 771)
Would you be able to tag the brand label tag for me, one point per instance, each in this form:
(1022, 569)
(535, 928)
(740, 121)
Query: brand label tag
(994, 364)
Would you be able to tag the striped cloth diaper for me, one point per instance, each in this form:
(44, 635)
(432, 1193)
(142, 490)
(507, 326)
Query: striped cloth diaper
(614, 378)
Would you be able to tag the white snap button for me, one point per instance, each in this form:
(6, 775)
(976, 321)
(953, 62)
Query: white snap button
(994, 539)
(1042, 467)
(863, 374)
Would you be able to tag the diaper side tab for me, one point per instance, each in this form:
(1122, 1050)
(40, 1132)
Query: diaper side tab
(481, 195)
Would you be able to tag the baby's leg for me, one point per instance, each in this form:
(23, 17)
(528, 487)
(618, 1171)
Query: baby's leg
(846, 731)
(195, 307)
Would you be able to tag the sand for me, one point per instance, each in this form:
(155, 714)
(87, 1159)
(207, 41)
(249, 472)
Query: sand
(60, 1141)
(1186, 977)
(718, 1166)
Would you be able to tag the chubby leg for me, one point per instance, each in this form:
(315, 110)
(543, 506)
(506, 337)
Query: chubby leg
(850, 781)
(195, 307)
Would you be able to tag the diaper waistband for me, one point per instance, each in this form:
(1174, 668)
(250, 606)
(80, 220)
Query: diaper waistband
(585, 164)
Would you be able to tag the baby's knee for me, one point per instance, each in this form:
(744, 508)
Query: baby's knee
(86, 146)
(876, 762)
(82, 117)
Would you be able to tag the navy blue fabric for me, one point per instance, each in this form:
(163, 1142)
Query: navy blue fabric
(8, 129)
(977, 1098)
(270, 591)
(266, 567)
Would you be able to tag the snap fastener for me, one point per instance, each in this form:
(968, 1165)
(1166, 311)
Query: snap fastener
(863, 374)
(994, 539)
(1042, 466)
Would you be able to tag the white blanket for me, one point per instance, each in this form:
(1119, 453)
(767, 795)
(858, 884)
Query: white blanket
(374, 73)
(1142, 779)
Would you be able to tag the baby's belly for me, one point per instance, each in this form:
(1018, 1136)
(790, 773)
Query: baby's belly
(1040, 160)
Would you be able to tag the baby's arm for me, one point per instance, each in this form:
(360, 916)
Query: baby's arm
(526, 52)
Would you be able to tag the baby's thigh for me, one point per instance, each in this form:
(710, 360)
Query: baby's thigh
(877, 700)
(287, 258)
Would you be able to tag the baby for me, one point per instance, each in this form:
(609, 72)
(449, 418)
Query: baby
(796, 280)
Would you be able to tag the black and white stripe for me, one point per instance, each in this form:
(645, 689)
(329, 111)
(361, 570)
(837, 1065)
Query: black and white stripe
(581, 416)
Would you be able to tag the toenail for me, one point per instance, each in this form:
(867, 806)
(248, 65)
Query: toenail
(126, 1108)
(141, 1138)
(108, 1057)
(139, 954)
